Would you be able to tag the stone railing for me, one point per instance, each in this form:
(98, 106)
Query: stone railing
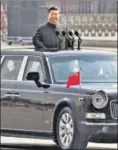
(92, 24)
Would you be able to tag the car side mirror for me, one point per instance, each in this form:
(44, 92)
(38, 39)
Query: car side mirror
(33, 76)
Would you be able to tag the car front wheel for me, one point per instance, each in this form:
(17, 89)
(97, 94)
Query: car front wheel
(68, 136)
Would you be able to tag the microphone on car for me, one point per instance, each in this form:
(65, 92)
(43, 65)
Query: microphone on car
(57, 33)
(79, 39)
(71, 40)
(64, 33)
(59, 36)
(65, 36)
(70, 33)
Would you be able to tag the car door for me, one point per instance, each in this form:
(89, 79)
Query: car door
(30, 105)
(10, 66)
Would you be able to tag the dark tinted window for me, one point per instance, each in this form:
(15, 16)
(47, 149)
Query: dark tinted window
(10, 67)
(34, 65)
(93, 68)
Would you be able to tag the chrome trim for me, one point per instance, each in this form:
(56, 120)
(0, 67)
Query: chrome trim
(98, 124)
(8, 81)
(2, 59)
(111, 109)
(16, 95)
(8, 95)
(64, 93)
(24, 90)
(50, 70)
(22, 68)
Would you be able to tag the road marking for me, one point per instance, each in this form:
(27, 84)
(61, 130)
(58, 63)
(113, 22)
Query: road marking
(14, 140)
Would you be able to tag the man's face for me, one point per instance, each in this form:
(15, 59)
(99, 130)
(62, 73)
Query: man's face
(54, 16)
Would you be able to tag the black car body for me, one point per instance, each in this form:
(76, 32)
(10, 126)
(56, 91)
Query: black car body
(29, 110)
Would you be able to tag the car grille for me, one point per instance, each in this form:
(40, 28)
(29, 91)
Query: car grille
(114, 109)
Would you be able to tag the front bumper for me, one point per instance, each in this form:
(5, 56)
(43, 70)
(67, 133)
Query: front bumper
(100, 132)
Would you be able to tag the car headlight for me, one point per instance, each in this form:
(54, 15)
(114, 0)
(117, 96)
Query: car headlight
(100, 100)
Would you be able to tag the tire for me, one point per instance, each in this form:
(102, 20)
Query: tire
(76, 140)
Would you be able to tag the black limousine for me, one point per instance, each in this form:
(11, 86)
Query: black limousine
(35, 101)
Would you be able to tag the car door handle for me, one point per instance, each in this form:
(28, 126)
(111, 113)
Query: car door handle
(16, 95)
(8, 95)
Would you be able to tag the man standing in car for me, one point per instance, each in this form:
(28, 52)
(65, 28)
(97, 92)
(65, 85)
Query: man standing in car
(48, 36)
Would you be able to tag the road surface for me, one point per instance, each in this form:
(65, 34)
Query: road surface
(49, 144)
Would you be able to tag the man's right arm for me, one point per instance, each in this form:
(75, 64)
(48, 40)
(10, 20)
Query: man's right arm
(37, 40)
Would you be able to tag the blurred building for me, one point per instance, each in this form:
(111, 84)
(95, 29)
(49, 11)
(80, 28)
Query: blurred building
(3, 23)
(87, 16)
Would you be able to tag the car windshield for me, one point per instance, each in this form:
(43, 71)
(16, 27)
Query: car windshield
(93, 68)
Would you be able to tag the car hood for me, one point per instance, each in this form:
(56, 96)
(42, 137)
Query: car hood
(107, 87)
(96, 86)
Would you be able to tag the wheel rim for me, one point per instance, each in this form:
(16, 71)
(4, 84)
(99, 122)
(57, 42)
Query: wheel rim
(66, 129)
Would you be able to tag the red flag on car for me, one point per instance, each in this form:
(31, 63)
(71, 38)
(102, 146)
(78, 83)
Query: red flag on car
(74, 80)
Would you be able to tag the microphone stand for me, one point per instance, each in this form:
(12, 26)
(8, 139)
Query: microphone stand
(79, 39)
(64, 34)
(57, 33)
(72, 39)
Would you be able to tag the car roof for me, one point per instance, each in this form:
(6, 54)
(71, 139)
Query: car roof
(61, 53)
(82, 52)
(20, 52)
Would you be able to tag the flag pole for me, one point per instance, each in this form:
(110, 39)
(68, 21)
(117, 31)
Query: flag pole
(80, 77)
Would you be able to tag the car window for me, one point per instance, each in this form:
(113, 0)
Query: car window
(93, 68)
(99, 70)
(10, 67)
(34, 65)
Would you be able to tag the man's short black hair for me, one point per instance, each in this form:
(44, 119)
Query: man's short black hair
(52, 8)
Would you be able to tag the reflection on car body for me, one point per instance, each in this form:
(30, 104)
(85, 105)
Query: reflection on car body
(35, 101)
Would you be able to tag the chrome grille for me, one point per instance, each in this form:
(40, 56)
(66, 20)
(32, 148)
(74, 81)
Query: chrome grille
(114, 109)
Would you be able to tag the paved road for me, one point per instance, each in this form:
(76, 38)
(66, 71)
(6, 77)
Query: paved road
(47, 148)
(33, 148)
(40, 144)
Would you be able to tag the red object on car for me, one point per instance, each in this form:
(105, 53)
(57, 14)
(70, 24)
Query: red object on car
(73, 80)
